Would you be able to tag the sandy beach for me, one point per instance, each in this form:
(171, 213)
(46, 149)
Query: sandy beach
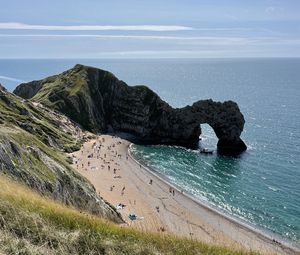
(158, 206)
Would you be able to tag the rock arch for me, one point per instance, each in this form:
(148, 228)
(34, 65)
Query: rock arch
(225, 119)
(99, 102)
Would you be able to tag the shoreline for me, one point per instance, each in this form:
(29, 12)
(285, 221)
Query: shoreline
(264, 234)
(119, 178)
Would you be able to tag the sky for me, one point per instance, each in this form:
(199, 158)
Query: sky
(149, 29)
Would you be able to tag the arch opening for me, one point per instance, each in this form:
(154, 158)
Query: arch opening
(208, 139)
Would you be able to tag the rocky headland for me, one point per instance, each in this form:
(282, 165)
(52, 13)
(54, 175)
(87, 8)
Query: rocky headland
(101, 103)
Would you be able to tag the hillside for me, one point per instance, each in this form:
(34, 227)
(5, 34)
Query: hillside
(33, 140)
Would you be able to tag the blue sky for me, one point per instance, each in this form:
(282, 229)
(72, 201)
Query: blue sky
(149, 29)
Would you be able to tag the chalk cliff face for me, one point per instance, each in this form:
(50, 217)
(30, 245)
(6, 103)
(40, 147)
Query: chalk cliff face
(99, 102)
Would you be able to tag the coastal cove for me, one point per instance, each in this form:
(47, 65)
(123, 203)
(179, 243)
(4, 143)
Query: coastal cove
(150, 127)
(262, 185)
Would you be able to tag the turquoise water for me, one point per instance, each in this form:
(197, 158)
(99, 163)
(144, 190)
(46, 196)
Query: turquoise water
(262, 186)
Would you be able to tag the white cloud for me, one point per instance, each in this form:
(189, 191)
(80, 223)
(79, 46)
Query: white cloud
(153, 28)
(205, 53)
(189, 40)
(158, 28)
(10, 79)
(143, 37)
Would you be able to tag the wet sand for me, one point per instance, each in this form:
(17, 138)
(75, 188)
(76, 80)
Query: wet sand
(160, 207)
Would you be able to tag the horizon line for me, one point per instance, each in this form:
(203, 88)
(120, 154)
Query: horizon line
(149, 58)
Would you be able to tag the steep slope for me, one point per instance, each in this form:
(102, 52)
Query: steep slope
(100, 102)
(33, 140)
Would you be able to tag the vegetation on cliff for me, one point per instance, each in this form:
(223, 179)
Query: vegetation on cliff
(33, 140)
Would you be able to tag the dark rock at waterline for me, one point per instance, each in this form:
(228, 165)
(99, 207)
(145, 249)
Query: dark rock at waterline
(228, 148)
(99, 102)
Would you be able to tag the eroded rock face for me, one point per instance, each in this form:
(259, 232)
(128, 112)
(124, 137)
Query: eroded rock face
(29, 91)
(100, 102)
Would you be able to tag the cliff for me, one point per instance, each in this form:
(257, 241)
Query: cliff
(33, 140)
(99, 102)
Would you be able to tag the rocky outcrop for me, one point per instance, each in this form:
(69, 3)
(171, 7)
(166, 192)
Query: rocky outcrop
(32, 141)
(100, 102)
(29, 90)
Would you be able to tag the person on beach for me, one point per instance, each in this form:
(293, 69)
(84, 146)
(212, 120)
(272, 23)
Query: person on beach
(122, 193)
(151, 181)
(162, 229)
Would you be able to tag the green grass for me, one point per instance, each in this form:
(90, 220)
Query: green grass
(29, 162)
(27, 159)
(36, 120)
(31, 224)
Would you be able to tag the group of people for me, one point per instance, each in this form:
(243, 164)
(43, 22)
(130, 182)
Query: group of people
(172, 191)
(95, 153)
(107, 156)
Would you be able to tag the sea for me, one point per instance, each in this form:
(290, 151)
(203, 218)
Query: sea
(260, 187)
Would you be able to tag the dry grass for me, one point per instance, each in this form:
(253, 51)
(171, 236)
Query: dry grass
(31, 224)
